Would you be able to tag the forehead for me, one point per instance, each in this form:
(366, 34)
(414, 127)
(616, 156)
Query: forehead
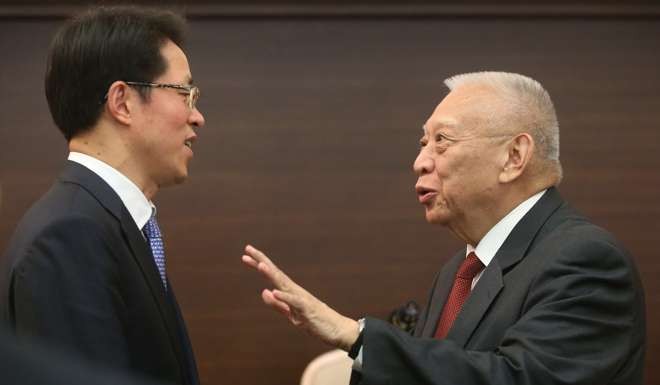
(178, 70)
(463, 110)
(440, 124)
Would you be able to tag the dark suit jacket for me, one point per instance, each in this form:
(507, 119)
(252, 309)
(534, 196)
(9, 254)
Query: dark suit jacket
(82, 277)
(560, 303)
(35, 365)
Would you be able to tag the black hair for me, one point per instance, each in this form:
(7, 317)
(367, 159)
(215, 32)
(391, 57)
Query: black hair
(99, 47)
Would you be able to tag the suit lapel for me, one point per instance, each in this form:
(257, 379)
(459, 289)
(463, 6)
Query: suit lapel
(491, 282)
(523, 234)
(145, 260)
(108, 198)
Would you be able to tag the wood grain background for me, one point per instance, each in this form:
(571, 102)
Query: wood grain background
(312, 127)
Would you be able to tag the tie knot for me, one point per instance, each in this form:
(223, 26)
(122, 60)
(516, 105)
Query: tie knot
(151, 229)
(470, 267)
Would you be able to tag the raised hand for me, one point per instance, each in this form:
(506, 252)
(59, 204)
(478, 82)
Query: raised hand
(299, 306)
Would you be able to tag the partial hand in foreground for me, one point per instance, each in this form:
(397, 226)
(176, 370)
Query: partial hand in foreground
(300, 307)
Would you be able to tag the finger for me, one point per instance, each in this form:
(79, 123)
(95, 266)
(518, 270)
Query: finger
(276, 276)
(270, 270)
(250, 261)
(269, 273)
(273, 302)
(294, 301)
(260, 257)
(257, 254)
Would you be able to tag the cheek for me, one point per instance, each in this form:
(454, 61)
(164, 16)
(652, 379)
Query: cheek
(476, 180)
(458, 178)
(449, 173)
(172, 131)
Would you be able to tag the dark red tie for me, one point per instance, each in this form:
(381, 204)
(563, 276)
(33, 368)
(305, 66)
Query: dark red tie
(469, 269)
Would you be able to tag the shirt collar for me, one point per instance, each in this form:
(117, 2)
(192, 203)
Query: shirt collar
(495, 237)
(140, 208)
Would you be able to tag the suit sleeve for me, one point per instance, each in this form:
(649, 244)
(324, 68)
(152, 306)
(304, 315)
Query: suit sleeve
(581, 322)
(65, 291)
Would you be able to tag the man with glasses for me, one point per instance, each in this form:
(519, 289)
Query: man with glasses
(539, 295)
(88, 269)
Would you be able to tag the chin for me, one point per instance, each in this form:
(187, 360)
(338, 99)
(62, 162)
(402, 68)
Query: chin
(437, 218)
(180, 178)
(175, 179)
(181, 174)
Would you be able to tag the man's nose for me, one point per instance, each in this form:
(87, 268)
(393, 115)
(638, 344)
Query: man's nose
(196, 118)
(423, 163)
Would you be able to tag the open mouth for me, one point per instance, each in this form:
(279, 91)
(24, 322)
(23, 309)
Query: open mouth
(425, 194)
(189, 141)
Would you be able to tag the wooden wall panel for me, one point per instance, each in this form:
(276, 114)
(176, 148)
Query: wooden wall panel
(312, 127)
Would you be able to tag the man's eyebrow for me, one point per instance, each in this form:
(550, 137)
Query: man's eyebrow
(443, 123)
(451, 123)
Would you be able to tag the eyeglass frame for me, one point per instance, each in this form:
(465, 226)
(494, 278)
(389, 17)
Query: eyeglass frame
(192, 92)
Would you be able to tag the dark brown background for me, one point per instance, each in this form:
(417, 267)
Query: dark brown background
(312, 126)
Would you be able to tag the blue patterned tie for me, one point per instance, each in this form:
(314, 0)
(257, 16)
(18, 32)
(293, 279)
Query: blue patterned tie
(152, 232)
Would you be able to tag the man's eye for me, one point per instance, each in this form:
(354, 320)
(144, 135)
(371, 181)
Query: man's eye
(439, 138)
(423, 143)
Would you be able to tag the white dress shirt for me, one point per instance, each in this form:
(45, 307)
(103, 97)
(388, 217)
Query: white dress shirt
(130, 194)
(489, 244)
(495, 237)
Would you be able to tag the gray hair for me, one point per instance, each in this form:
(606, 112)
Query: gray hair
(530, 106)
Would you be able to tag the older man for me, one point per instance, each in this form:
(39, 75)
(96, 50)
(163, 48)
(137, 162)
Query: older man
(539, 295)
(87, 270)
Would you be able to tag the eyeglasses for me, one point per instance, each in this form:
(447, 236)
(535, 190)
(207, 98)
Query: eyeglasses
(192, 92)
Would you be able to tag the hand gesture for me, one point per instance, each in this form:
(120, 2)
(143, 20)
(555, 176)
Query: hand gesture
(299, 306)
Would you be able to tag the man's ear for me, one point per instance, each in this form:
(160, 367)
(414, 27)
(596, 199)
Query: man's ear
(119, 102)
(518, 155)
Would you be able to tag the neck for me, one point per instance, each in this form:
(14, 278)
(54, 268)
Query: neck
(113, 152)
(479, 224)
